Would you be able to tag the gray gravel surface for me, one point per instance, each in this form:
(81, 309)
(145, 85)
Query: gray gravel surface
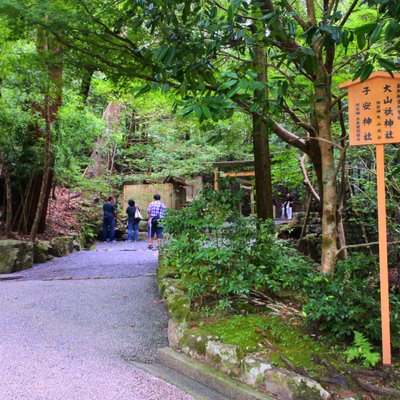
(113, 260)
(67, 334)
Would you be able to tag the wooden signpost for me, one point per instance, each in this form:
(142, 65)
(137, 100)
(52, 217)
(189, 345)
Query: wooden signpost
(374, 118)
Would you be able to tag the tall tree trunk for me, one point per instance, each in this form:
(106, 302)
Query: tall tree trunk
(329, 200)
(262, 162)
(45, 179)
(262, 168)
(7, 182)
(48, 45)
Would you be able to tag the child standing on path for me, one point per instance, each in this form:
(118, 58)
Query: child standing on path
(155, 213)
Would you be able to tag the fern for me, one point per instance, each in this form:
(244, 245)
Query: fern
(362, 350)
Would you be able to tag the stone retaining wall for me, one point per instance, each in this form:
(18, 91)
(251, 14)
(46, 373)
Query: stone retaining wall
(253, 370)
(17, 255)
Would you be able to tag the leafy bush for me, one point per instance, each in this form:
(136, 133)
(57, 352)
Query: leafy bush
(350, 301)
(215, 250)
(218, 253)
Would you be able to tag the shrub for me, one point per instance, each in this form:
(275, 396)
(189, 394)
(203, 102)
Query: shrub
(218, 253)
(350, 301)
(215, 250)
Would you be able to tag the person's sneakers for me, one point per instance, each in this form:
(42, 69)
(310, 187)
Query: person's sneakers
(150, 247)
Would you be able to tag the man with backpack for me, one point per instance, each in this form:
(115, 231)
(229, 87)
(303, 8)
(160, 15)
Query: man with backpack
(155, 213)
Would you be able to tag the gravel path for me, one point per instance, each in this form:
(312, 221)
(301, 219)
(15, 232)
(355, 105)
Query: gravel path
(68, 330)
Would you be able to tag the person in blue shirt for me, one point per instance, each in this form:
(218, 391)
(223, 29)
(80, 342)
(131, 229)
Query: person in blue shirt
(133, 222)
(109, 213)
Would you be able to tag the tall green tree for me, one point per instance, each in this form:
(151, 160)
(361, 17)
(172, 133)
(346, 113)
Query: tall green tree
(205, 50)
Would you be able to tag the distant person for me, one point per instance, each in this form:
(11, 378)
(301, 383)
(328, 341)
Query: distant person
(155, 213)
(287, 207)
(133, 212)
(109, 214)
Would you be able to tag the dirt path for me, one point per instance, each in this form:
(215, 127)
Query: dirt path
(70, 327)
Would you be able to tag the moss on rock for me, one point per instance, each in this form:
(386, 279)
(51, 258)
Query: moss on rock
(177, 304)
(15, 255)
(41, 251)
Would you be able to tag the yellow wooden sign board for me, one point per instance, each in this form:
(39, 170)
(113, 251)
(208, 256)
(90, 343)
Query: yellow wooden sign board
(374, 109)
(374, 118)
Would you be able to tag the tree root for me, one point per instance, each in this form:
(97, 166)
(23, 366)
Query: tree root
(265, 339)
(381, 390)
(298, 370)
(365, 372)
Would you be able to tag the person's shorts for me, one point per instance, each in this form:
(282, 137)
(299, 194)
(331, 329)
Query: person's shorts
(156, 231)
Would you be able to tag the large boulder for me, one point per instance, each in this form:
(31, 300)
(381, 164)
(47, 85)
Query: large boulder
(15, 255)
(64, 245)
(143, 226)
(42, 251)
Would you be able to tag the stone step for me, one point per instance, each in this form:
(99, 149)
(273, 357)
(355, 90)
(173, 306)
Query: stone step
(227, 388)
(182, 382)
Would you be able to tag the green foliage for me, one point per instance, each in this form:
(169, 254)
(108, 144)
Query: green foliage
(89, 219)
(216, 251)
(166, 143)
(219, 254)
(349, 301)
(78, 129)
(285, 169)
(362, 350)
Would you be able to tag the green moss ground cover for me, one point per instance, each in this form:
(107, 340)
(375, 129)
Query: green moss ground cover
(249, 333)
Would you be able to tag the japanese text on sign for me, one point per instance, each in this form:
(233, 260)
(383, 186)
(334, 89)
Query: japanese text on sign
(374, 110)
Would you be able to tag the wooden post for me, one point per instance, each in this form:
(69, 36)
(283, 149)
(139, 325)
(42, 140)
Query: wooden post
(374, 119)
(383, 257)
(216, 179)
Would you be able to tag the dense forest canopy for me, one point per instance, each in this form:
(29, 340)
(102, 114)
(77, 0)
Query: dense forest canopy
(165, 88)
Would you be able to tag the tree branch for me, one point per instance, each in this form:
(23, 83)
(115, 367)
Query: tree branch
(326, 141)
(290, 137)
(349, 11)
(279, 130)
(311, 19)
(111, 33)
(354, 246)
(348, 61)
(225, 9)
(309, 128)
(306, 179)
(299, 20)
